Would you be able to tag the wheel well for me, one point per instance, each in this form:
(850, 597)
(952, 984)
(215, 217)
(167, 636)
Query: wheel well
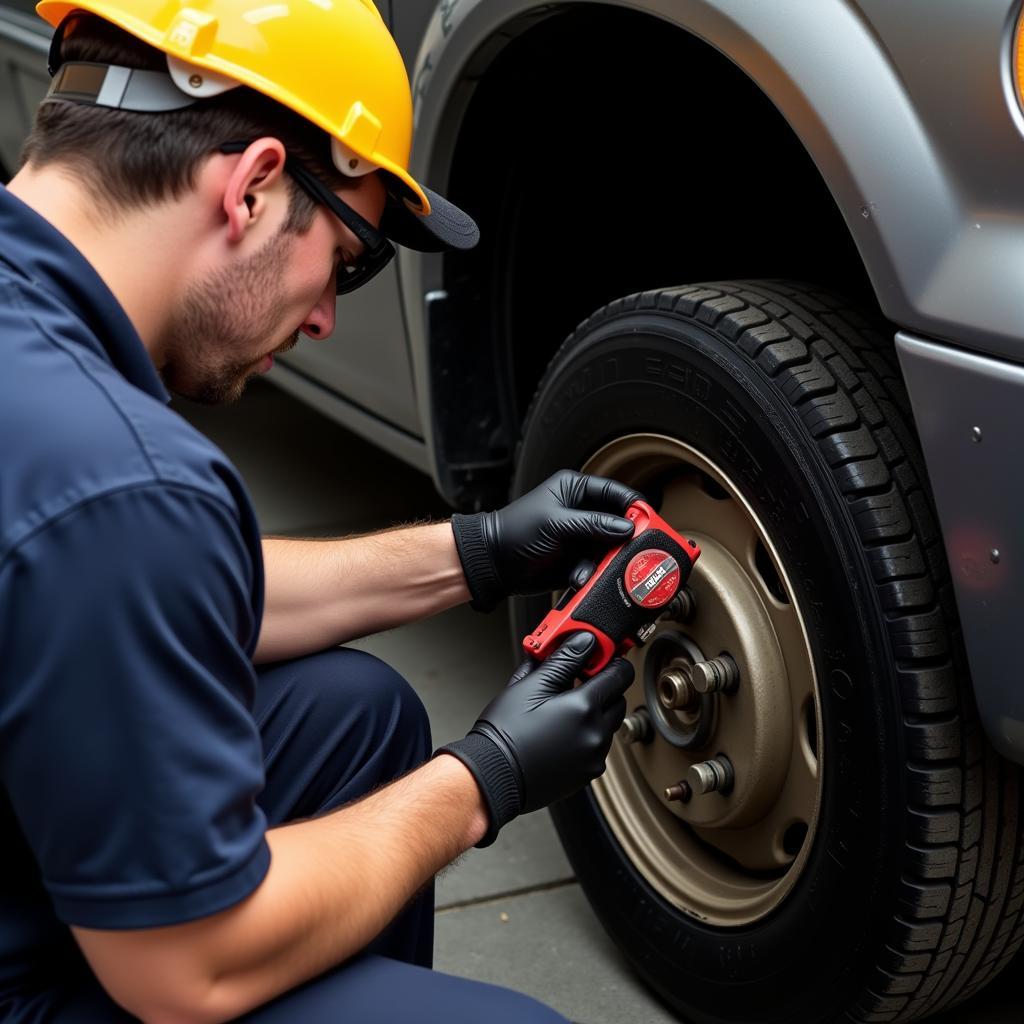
(604, 152)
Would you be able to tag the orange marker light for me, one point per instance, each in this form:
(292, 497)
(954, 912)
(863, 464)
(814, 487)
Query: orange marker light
(1020, 59)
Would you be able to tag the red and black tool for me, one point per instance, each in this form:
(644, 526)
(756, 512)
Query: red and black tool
(624, 594)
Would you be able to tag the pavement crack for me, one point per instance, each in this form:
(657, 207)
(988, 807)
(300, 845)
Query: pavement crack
(526, 890)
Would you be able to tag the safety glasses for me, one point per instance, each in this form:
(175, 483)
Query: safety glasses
(377, 250)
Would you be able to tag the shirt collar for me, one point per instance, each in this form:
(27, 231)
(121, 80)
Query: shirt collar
(36, 250)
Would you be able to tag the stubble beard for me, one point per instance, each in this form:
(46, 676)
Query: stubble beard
(219, 336)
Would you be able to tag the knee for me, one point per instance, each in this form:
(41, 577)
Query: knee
(395, 707)
(390, 712)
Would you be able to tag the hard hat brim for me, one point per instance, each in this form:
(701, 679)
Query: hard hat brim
(446, 227)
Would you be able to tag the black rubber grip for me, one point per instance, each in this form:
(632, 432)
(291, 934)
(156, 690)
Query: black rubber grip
(607, 605)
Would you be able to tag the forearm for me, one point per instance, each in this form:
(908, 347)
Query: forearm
(323, 593)
(333, 884)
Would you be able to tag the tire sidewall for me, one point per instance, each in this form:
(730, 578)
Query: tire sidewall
(665, 374)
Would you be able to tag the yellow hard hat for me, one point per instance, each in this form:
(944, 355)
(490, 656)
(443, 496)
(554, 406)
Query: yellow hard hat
(333, 62)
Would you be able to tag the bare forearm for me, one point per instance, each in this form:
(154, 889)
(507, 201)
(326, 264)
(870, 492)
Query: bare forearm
(323, 593)
(333, 884)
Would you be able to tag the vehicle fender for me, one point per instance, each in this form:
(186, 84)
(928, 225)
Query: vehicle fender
(873, 124)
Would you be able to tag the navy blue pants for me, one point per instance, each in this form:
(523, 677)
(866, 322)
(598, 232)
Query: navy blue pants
(336, 726)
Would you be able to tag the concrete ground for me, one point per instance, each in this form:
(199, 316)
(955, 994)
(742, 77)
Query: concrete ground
(512, 914)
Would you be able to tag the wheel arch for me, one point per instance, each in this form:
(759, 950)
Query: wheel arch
(827, 90)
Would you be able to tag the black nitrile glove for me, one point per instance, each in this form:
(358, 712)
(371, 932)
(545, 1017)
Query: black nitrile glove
(531, 545)
(540, 739)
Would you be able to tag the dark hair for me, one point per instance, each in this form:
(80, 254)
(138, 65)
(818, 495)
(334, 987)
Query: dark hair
(132, 159)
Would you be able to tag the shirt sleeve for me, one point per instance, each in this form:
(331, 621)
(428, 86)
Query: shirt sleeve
(127, 743)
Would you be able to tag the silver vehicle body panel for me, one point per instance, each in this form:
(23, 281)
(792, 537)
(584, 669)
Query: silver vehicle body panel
(400, 443)
(970, 413)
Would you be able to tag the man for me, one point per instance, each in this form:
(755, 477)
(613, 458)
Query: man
(209, 808)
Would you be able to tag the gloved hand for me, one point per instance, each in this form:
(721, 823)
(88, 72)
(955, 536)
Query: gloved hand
(540, 739)
(531, 545)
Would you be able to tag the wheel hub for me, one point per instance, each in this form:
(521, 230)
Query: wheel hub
(683, 717)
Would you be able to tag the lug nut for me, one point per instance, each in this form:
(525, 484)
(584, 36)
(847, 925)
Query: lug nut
(714, 776)
(682, 607)
(675, 690)
(636, 728)
(717, 675)
(681, 791)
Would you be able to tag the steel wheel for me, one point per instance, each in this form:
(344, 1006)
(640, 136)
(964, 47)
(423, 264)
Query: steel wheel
(726, 858)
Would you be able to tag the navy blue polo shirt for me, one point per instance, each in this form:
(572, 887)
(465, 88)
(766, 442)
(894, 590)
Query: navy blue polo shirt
(131, 590)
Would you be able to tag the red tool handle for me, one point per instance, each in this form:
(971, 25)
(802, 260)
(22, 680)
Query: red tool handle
(628, 590)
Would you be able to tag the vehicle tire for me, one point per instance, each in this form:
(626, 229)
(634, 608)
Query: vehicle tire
(869, 865)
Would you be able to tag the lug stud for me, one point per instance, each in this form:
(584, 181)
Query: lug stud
(717, 675)
(636, 728)
(714, 776)
(675, 690)
(682, 607)
(681, 791)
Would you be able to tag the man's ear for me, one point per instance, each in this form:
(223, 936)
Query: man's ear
(257, 171)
